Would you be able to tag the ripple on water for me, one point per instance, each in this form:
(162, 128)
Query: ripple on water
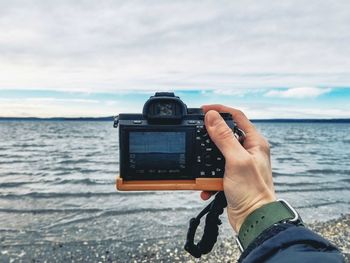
(57, 182)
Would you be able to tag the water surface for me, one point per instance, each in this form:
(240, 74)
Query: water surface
(57, 184)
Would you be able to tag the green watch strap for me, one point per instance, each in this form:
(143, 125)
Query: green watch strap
(263, 218)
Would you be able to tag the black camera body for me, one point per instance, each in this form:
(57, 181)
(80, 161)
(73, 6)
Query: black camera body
(168, 141)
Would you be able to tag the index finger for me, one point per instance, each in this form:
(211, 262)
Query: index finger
(238, 116)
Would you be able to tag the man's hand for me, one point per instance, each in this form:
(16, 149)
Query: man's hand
(248, 177)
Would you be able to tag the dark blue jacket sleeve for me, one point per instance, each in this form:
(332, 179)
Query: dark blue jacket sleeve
(295, 244)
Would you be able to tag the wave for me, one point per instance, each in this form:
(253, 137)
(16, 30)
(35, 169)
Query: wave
(327, 171)
(347, 180)
(10, 155)
(48, 211)
(300, 184)
(323, 204)
(74, 161)
(283, 159)
(70, 195)
(16, 173)
(85, 160)
(92, 210)
(314, 190)
(84, 182)
(274, 144)
(276, 174)
(13, 184)
(64, 170)
(23, 159)
(28, 145)
(121, 212)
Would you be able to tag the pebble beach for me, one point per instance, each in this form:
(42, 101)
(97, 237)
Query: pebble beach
(337, 231)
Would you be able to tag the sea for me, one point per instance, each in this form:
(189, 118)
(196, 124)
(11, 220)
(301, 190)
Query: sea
(57, 188)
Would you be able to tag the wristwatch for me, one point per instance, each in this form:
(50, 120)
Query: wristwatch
(263, 218)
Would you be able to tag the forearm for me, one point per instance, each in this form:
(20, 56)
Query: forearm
(290, 243)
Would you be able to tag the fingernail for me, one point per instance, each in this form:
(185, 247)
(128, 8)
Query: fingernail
(213, 118)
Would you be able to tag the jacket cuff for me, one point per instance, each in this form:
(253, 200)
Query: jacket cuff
(282, 236)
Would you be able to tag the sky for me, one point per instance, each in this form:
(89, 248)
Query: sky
(271, 59)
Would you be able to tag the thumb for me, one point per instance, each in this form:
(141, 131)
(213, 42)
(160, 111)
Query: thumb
(221, 134)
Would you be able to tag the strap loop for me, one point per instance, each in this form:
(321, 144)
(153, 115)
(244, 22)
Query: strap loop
(211, 229)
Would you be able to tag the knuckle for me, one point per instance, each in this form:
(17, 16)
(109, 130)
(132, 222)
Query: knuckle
(264, 145)
(240, 114)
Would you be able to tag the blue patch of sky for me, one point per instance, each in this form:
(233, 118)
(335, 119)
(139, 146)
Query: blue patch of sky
(194, 98)
(336, 94)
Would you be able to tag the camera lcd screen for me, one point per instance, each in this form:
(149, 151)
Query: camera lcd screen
(157, 152)
(157, 142)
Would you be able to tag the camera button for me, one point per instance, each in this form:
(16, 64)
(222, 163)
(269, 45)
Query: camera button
(208, 160)
(192, 122)
(208, 157)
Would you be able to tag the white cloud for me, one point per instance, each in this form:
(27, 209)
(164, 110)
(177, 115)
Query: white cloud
(234, 48)
(239, 92)
(293, 111)
(301, 112)
(93, 46)
(51, 107)
(56, 100)
(298, 93)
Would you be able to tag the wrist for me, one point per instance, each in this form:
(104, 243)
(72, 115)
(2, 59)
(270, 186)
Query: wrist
(265, 217)
(241, 219)
(238, 216)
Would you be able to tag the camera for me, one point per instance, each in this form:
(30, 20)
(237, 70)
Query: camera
(167, 147)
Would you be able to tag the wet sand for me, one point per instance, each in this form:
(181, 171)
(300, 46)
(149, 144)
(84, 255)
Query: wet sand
(337, 231)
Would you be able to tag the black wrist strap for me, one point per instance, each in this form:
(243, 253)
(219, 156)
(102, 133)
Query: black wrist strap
(211, 229)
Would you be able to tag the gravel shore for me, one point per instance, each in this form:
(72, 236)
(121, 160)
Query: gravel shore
(169, 250)
(337, 231)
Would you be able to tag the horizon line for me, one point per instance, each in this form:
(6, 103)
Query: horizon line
(111, 118)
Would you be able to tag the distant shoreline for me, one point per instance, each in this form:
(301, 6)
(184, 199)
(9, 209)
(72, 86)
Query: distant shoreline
(110, 118)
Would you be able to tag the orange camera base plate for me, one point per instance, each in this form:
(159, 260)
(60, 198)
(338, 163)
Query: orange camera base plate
(200, 184)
